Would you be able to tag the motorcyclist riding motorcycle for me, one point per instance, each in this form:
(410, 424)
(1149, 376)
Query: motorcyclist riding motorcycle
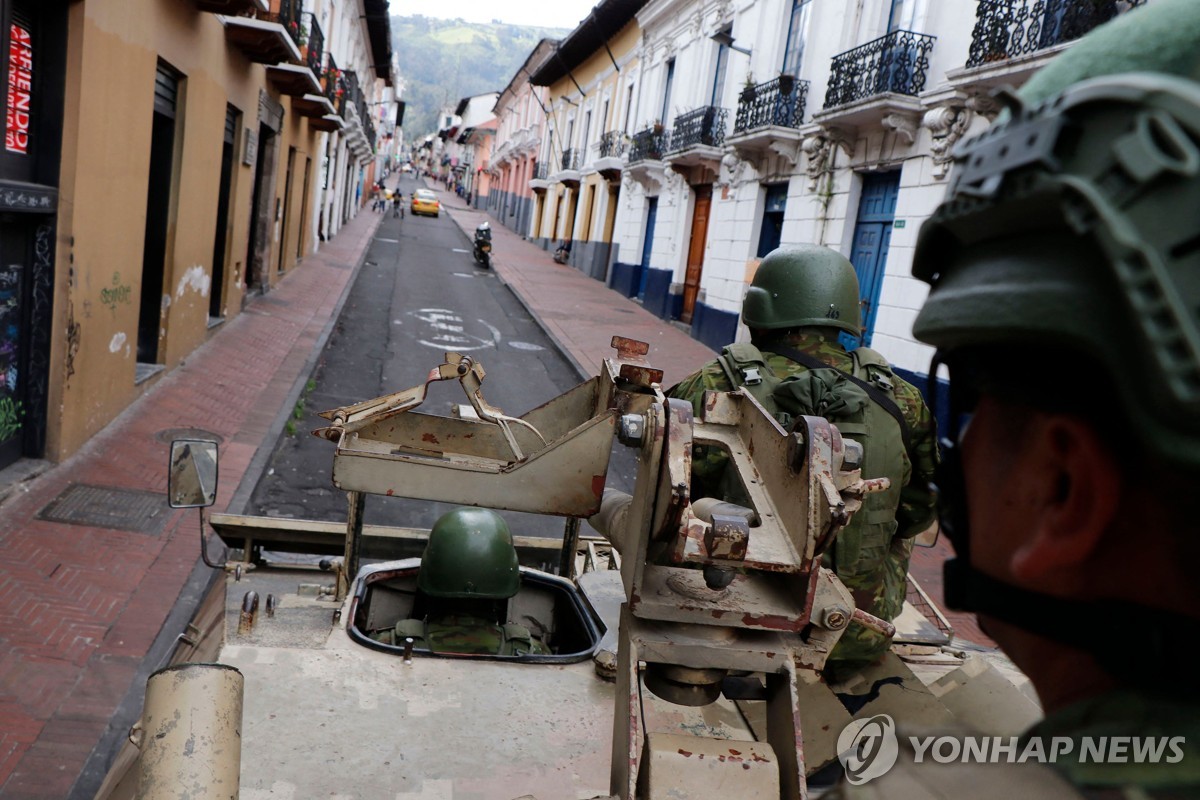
(483, 244)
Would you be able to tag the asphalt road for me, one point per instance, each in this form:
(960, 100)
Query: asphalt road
(418, 294)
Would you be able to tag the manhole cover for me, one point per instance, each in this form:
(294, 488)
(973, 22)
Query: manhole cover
(171, 434)
(104, 507)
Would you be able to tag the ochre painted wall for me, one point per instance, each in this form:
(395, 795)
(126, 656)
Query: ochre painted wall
(113, 53)
(599, 79)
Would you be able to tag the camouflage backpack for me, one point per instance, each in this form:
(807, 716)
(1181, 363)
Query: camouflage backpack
(862, 405)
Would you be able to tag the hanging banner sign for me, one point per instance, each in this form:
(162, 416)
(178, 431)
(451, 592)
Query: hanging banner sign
(20, 89)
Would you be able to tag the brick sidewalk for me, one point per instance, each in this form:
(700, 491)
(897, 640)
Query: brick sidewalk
(80, 606)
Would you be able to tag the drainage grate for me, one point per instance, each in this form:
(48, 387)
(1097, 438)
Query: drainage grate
(104, 507)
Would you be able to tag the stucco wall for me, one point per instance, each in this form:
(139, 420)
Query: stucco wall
(114, 52)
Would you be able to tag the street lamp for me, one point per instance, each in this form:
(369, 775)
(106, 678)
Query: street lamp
(725, 39)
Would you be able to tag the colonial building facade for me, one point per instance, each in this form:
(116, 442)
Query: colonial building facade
(520, 111)
(590, 102)
(163, 161)
(772, 122)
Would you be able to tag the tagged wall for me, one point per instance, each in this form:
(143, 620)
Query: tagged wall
(114, 54)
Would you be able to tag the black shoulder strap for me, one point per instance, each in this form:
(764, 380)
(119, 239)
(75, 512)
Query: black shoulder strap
(881, 399)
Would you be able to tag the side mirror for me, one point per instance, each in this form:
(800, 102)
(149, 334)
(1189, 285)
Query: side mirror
(192, 478)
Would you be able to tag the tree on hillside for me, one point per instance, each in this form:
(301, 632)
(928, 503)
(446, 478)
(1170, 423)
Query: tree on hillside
(436, 73)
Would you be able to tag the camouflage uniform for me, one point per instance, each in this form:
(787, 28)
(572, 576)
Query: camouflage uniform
(464, 634)
(878, 587)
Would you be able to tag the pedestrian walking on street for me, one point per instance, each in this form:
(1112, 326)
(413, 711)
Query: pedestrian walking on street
(396, 205)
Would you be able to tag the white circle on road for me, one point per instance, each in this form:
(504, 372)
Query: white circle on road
(446, 330)
(525, 346)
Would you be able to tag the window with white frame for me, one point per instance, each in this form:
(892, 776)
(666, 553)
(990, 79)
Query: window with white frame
(718, 88)
(793, 52)
(668, 80)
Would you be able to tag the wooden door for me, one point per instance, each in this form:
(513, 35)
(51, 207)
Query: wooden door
(695, 259)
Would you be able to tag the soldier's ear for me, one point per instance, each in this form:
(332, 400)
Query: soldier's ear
(1075, 490)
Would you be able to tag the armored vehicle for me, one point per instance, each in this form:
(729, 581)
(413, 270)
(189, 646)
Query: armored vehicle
(684, 649)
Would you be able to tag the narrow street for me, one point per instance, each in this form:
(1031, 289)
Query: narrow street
(419, 294)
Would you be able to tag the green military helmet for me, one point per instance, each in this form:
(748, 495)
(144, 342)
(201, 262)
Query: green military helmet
(803, 286)
(1073, 225)
(470, 554)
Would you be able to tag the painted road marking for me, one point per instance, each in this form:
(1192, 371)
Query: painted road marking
(448, 331)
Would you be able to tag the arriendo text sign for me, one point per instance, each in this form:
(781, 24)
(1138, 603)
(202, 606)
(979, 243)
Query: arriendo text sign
(20, 89)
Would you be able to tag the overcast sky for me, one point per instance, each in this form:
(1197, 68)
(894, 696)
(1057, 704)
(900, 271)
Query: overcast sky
(542, 13)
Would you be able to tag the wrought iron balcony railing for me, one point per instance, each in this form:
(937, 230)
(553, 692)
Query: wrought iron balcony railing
(335, 90)
(541, 171)
(895, 63)
(612, 144)
(779, 101)
(289, 17)
(648, 145)
(1006, 29)
(351, 97)
(316, 45)
(571, 159)
(701, 126)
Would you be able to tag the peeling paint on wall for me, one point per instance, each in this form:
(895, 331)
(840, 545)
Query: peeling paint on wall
(118, 340)
(197, 279)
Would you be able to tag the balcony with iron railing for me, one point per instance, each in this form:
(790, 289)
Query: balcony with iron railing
(269, 37)
(698, 137)
(541, 177)
(768, 118)
(612, 144)
(300, 80)
(231, 7)
(701, 127)
(644, 164)
(893, 64)
(876, 86)
(609, 150)
(648, 145)
(315, 54)
(351, 94)
(777, 103)
(568, 172)
(1008, 29)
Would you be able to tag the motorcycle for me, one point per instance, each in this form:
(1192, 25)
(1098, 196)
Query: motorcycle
(483, 245)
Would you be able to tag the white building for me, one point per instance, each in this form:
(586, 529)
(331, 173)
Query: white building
(355, 81)
(811, 121)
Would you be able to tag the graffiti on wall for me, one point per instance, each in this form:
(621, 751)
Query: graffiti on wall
(117, 294)
(10, 351)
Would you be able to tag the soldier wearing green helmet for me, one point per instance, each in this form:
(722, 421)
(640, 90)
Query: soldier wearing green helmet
(1064, 269)
(468, 573)
(799, 301)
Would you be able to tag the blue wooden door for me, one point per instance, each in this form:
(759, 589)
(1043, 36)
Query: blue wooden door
(872, 236)
(647, 244)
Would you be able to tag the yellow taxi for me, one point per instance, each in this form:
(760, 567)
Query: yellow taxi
(425, 202)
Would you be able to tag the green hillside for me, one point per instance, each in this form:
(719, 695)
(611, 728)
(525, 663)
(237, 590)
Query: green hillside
(442, 61)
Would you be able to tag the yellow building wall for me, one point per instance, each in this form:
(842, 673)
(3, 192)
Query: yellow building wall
(114, 48)
(597, 75)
